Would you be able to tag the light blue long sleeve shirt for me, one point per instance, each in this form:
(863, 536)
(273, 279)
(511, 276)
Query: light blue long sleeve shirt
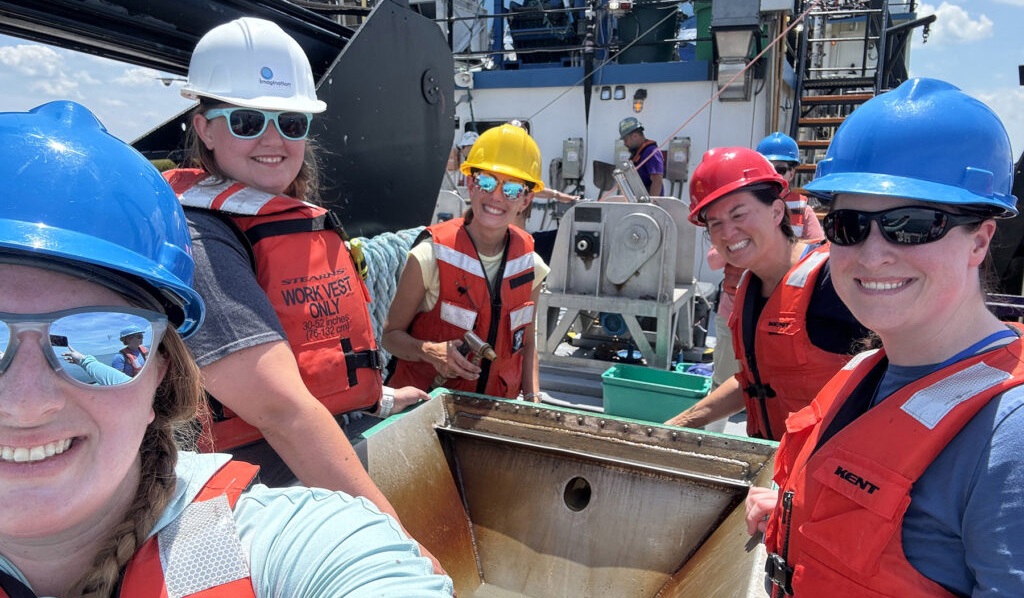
(311, 543)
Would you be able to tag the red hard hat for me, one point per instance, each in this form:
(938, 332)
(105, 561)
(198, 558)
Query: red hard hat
(723, 170)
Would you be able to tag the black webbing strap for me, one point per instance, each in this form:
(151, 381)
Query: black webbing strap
(326, 221)
(13, 587)
(363, 359)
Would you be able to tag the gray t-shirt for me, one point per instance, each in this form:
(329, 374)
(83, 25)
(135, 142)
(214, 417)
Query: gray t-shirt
(238, 313)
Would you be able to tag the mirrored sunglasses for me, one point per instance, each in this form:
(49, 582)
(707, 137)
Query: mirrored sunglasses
(511, 191)
(250, 123)
(85, 344)
(901, 226)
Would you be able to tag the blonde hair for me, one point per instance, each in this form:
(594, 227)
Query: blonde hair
(306, 185)
(175, 404)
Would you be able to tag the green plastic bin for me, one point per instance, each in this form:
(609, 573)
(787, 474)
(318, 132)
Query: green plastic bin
(648, 394)
(682, 366)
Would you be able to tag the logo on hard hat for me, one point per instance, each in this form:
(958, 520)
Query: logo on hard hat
(267, 78)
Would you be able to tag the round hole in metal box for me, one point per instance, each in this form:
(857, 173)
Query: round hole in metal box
(577, 494)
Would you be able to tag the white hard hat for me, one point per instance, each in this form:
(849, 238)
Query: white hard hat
(468, 139)
(252, 63)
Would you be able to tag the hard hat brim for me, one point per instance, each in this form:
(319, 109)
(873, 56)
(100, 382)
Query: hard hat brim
(275, 103)
(887, 185)
(697, 213)
(39, 240)
(781, 158)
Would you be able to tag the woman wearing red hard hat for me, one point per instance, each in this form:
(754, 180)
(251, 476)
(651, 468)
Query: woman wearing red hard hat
(791, 333)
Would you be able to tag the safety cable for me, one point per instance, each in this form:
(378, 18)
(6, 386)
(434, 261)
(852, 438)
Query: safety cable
(601, 66)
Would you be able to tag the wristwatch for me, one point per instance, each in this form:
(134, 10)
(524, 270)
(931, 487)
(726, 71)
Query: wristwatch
(387, 402)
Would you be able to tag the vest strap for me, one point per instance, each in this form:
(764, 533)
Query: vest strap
(779, 573)
(360, 359)
(11, 587)
(325, 221)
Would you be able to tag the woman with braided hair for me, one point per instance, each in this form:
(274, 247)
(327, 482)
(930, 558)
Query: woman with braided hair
(96, 500)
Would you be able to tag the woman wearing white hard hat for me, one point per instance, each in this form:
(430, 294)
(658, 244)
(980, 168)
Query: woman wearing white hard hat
(904, 477)
(289, 344)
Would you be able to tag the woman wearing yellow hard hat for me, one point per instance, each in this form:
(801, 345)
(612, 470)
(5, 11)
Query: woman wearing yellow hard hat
(476, 274)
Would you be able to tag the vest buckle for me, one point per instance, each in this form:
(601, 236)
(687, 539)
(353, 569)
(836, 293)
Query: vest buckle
(779, 573)
(761, 391)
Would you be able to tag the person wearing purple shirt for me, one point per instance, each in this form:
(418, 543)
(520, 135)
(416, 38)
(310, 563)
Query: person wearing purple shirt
(644, 152)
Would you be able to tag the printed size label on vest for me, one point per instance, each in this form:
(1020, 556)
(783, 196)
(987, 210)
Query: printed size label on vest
(321, 298)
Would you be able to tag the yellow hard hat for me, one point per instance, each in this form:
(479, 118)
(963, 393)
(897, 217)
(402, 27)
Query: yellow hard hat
(508, 150)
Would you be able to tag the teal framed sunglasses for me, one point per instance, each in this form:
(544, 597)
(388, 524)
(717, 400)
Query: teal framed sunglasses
(250, 123)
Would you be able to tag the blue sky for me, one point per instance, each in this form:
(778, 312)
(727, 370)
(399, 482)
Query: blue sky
(974, 45)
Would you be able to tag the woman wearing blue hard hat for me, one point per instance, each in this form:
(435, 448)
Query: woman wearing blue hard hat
(95, 497)
(904, 477)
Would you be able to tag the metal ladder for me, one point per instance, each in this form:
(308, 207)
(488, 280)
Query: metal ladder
(870, 38)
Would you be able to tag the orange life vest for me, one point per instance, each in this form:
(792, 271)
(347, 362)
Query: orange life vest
(499, 316)
(783, 371)
(224, 577)
(837, 530)
(134, 361)
(637, 155)
(796, 205)
(304, 266)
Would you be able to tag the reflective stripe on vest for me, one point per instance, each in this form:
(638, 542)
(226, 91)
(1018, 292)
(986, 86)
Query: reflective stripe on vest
(199, 553)
(849, 495)
(465, 303)
(315, 290)
(785, 369)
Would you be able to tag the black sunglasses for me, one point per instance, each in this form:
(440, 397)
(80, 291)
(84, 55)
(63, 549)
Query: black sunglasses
(901, 226)
(782, 169)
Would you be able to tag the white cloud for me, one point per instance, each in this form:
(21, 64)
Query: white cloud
(57, 88)
(137, 76)
(32, 60)
(954, 25)
(86, 78)
(1006, 102)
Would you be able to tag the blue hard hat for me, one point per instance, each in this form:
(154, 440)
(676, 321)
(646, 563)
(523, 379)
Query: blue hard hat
(77, 194)
(130, 330)
(924, 140)
(779, 147)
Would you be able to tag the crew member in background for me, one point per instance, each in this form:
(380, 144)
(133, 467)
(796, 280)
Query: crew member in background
(905, 477)
(454, 178)
(132, 357)
(644, 153)
(477, 273)
(288, 344)
(784, 155)
(790, 332)
(782, 151)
